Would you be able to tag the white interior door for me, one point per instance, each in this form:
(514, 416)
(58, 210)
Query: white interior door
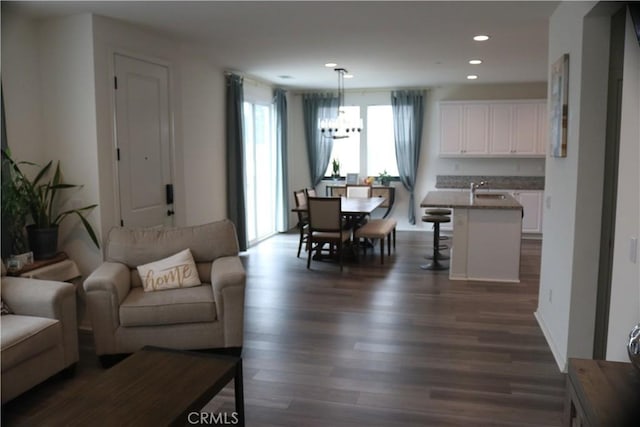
(143, 135)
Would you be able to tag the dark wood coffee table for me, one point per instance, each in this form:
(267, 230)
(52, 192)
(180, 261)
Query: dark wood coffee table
(152, 387)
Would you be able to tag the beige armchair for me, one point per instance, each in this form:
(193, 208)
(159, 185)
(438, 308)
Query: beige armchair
(40, 336)
(209, 316)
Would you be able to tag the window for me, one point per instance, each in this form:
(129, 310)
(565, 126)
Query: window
(381, 150)
(260, 171)
(370, 152)
(347, 150)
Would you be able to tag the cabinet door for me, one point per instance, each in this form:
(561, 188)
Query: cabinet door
(531, 202)
(476, 129)
(543, 128)
(450, 129)
(500, 128)
(525, 128)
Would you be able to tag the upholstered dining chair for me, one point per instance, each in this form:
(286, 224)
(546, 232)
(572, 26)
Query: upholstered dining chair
(359, 191)
(326, 225)
(300, 199)
(310, 192)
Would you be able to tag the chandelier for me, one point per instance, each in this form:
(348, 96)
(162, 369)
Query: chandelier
(340, 126)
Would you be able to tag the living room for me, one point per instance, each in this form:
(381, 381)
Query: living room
(57, 85)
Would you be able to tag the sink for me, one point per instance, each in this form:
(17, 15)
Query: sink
(495, 196)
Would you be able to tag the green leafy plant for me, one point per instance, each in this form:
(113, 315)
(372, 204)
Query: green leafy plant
(36, 198)
(335, 165)
(384, 178)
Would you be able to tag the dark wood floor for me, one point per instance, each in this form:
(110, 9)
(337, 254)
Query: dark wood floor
(376, 345)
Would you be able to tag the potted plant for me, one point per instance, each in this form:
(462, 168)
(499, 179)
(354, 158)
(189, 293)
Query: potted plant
(36, 198)
(335, 165)
(384, 178)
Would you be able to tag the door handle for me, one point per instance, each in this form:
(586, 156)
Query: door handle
(170, 212)
(169, 193)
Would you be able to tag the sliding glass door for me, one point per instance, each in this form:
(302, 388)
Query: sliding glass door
(261, 171)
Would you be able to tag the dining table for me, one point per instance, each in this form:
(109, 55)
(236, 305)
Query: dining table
(353, 206)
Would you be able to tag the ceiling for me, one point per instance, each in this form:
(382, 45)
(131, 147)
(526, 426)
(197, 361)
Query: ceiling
(390, 44)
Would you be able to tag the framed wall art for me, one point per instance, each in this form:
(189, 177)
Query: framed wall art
(559, 105)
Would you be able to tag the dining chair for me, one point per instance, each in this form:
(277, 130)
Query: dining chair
(300, 199)
(310, 192)
(359, 191)
(337, 191)
(326, 226)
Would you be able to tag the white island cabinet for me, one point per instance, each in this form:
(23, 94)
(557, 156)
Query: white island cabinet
(486, 235)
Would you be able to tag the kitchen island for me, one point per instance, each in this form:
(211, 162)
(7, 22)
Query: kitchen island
(487, 229)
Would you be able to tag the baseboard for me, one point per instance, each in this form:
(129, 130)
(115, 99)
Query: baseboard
(560, 361)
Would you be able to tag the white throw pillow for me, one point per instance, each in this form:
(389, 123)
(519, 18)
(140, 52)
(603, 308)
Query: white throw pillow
(176, 271)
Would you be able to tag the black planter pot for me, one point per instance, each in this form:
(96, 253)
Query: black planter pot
(43, 241)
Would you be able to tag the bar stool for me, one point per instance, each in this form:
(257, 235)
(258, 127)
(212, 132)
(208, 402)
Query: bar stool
(439, 211)
(436, 220)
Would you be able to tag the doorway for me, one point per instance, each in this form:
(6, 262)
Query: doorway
(610, 188)
(261, 177)
(143, 142)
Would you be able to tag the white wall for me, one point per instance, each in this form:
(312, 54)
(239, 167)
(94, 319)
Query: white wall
(110, 37)
(58, 76)
(20, 67)
(625, 287)
(570, 251)
(430, 164)
(197, 101)
(49, 97)
(68, 103)
(203, 138)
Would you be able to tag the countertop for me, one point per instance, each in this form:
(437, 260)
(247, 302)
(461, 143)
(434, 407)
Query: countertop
(462, 199)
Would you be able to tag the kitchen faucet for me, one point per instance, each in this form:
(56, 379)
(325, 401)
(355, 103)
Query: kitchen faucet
(474, 186)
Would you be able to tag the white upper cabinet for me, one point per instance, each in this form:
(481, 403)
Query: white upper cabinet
(451, 129)
(525, 129)
(464, 129)
(493, 128)
(500, 128)
(475, 125)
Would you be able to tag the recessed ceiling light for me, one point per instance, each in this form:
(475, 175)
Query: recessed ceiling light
(475, 61)
(472, 77)
(348, 76)
(285, 77)
(481, 38)
(330, 64)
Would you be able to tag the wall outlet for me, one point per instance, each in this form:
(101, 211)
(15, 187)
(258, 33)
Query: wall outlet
(550, 295)
(547, 202)
(633, 250)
